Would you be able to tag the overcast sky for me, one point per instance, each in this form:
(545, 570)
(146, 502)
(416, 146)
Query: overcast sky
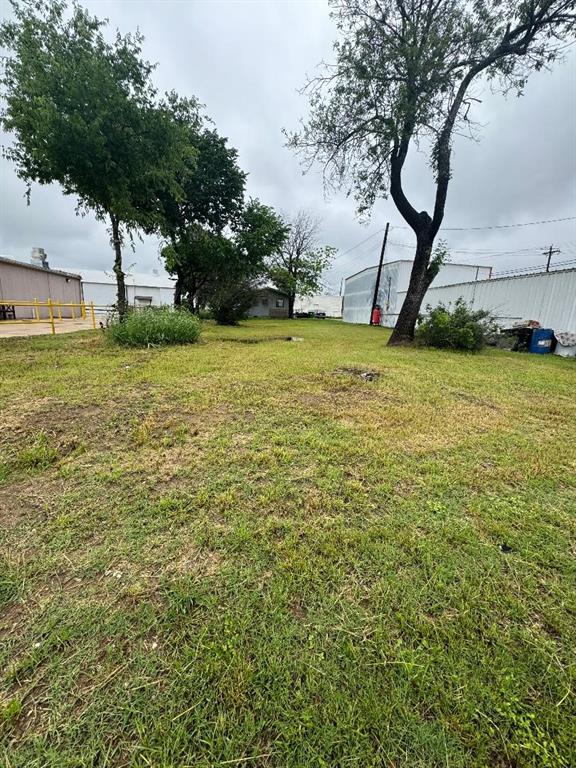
(246, 62)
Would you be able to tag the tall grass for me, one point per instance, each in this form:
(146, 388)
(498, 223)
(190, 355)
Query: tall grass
(154, 326)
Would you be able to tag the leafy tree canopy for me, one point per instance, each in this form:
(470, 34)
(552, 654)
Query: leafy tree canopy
(83, 113)
(211, 185)
(201, 259)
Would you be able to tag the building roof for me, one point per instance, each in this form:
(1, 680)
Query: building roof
(135, 279)
(15, 262)
(411, 261)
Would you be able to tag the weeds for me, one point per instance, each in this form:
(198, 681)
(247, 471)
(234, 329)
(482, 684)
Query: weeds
(39, 455)
(153, 326)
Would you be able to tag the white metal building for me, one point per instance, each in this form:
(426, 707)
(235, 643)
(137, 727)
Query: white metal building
(394, 280)
(331, 305)
(142, 289)
(549, 297)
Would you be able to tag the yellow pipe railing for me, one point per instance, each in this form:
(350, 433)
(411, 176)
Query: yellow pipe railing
(54, 311)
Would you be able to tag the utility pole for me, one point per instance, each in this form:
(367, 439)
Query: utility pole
(379, 273)
(549, 253)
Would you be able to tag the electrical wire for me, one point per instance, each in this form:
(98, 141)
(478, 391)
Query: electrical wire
(457, 229)
(498, 226)
(537, 268)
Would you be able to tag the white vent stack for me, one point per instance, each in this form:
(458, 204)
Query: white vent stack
(38, 258)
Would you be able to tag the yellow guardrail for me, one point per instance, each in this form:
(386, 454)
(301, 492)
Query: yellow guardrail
(78, 311)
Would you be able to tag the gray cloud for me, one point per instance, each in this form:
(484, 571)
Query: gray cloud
(246, 62)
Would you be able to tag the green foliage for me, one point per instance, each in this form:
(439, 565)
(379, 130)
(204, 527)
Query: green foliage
(155, 326)
(527, 742)
(460, 328)
(82, 111)
(208, 262)
(196, 258)
(230, 301)
(296, 266)
(210, 190)
(83, 114)
(9, 712)
(440, 257)
(261, 232)
(211, 201)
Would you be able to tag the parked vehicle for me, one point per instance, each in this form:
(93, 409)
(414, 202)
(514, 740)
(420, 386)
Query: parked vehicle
(316, 313)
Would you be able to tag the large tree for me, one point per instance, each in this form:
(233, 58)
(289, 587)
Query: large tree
(83, 114)
(203, 260)
(296, 268)
(403, 76)
(209, 199)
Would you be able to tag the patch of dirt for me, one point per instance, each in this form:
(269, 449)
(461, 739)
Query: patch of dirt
(359, 373)
(261, 339)
(202, 562)
(298, 610)
(13, 616)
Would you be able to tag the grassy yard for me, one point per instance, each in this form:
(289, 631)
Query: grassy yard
(241, 554)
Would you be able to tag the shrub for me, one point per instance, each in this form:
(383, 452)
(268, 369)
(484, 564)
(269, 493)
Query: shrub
(231, 302)
(154, 326)
(459, 328)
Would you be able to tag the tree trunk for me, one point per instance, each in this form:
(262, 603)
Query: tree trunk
(291, 301)
(178, 290)
(420, 280)
(121, 301)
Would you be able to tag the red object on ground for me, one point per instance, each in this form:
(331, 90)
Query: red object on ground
(376, 316)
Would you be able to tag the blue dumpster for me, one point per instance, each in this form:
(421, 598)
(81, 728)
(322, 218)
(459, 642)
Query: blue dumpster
(541, 341)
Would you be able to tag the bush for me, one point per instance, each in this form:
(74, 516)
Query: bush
(461, 328)
(155, 326)
(231, 302)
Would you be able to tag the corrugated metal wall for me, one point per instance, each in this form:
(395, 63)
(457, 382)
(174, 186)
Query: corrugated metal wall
(104, 294)
(21, 283)
(359, 288)
(359, 293)
(549, 297)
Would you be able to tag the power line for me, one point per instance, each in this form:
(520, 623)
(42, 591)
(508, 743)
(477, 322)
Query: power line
(361, 242)
(457, 229)
(496, 226)
(536, 268)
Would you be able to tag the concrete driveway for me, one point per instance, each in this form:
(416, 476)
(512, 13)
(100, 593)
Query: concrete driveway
(9, 329)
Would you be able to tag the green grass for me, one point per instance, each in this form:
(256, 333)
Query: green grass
(240, 554)
(155, 326)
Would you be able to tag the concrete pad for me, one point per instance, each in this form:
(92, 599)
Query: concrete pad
(9, 329)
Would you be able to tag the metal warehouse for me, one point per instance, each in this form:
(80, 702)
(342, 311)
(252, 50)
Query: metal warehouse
(35, 281)
(394, 280)
(142, 290)
(549, 297)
